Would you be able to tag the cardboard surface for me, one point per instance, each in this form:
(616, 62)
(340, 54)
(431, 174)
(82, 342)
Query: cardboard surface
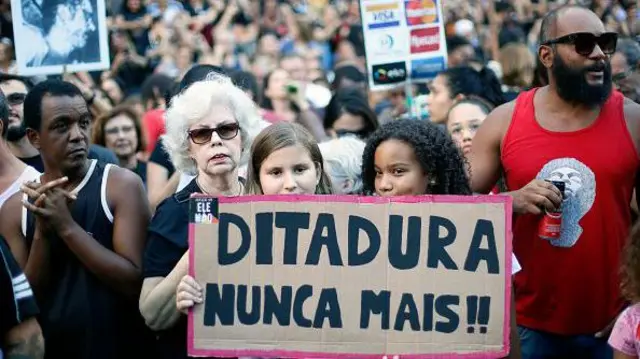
(306, 281)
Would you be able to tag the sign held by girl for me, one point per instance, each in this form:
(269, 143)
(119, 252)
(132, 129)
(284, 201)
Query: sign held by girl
(304, 276)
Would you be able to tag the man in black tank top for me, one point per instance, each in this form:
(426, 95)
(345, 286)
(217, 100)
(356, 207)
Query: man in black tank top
(81, 235)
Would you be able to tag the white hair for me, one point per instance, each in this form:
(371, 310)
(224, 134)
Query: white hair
(343, 161)
(194, 104)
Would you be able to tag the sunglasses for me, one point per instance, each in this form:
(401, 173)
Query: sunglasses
(200, 136)
(16, 98)
(585, 42)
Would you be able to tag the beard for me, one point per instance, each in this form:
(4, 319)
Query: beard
(16, 133)
(572, 85)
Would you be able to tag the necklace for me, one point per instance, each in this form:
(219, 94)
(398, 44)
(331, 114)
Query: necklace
(240, 187)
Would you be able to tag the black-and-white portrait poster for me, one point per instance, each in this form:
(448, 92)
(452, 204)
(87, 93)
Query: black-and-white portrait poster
(50, 34)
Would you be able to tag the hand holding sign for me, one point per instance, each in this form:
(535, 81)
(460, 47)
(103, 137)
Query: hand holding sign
(188, 294)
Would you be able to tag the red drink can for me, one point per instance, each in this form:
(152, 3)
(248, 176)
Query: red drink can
(551, 223)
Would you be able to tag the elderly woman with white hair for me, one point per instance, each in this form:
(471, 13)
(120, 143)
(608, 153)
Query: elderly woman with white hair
(343, 162)
(208, 133)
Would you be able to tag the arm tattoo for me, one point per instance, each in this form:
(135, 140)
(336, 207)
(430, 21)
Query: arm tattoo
(27, 348)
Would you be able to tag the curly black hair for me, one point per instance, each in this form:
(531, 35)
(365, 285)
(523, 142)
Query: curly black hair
(438, 155)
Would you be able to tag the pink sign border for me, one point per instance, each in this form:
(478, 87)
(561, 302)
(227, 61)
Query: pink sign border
(506, 200)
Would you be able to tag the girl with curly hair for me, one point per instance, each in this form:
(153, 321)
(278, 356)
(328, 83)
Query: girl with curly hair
(412, 158)
(408, 157)
(625, 336)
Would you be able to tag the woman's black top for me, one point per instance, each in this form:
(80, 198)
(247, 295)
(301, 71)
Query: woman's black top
(160, 157)
(141, 170)
(167, 241)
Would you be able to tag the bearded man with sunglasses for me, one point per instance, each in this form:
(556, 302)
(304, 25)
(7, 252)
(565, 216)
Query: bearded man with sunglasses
(579, 131)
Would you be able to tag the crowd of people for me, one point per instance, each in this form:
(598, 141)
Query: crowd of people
(229, 98)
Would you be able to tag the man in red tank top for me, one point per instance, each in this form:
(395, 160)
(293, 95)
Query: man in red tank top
(578, 131)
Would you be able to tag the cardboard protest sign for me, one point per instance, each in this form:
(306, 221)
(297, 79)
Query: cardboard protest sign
(404, 41)
(53, 36)
(347, 276)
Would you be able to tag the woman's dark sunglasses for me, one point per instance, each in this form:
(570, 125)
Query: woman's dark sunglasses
(585, 42)
(200, 136)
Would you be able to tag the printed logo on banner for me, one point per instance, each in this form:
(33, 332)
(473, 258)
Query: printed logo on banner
(390, 73)
(384, 45)
(203, 210)
(382, 15)
(419, 12)
(386, 42)
(427, 68)
(425, 40)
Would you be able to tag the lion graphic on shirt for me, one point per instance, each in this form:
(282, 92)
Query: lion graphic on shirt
(580, 193)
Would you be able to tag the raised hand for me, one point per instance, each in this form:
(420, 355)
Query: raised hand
(52, 207)
(37, 192)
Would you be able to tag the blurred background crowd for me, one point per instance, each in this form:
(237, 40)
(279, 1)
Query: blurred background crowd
(304, 61)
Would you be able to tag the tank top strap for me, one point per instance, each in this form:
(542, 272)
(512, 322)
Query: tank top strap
(27, 220)
(612, 118)
(103, 192)
(522, 118)
(24, 221)
(612, 112)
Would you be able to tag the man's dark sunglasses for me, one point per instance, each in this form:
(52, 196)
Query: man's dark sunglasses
(200, 136)
(585, 42)
(16, 98)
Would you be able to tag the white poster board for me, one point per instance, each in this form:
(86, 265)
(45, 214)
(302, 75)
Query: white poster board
(404, 40)
(51, 34)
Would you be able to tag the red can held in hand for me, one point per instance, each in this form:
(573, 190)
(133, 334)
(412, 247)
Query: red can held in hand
(550, 224)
